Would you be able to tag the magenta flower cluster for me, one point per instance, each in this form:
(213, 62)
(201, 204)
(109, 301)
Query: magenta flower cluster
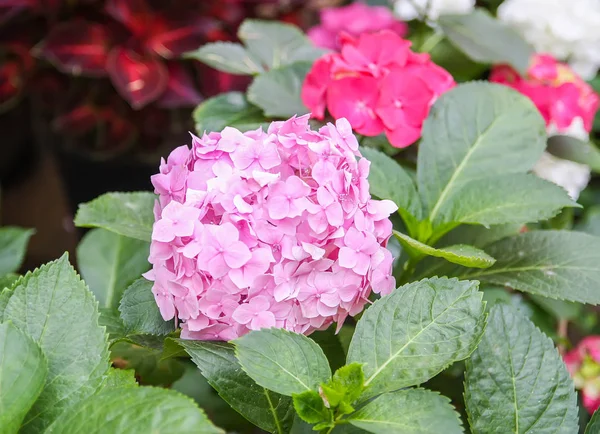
(268, 229)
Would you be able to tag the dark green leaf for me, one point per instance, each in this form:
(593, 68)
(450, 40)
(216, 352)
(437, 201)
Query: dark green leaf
(227, 57)
(310, 407)
(109, 262)
(516, 381)
(590, 222)
(227, 109)
(331, 345)
(570, 148)
(268, 410)
(412, 334)
(115, 328)
(148, 363)
(413, 411)
(140, 313)
(284, 82)
(55, 308)
(487, 40)
(593, 426)
(128, 214)
(23, 371)
(13, 245)
(282, 361)
(558, 308)
(7, 280)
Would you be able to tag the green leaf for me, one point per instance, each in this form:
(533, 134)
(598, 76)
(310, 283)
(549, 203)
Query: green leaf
(227, 109)
(412, 334)
(331, 345)
(501, 199)
(516, 381)
(227, 57)
(23, 371)
(116, 378)
(345, 387)
(7, 280)
(462, 254)
(479, 236)
(282, 361)
(413, 411)
(590, 223)
(277, 44)
(109, 262)
(558, 308)
(56, 309)
(593, 426)
(132, 410)
(140, 313)
(388, 180)
(110, 319)
(475, 131)
(286, 83)
(13, 245)
(268, 410)
(570, 148)
(554, 264)
(487, 40)
(128, 214)
(310, 407)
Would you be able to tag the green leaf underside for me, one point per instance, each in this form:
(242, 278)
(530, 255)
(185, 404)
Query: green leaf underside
(414, 333)
(56, 309)
(266, 409)
(227, 109)
(284, 82)
(593, 427)
(462, 254)
(502, 199)
(23, 371)
(570, 148)
(132, 410)
(13, 245)
(140, 313)
(487, 40)
(412, 411)
(109, 262)
(516, 381)
(282, 361)
(227, 57)
(128, 214)
(555, 264)
(475, 131)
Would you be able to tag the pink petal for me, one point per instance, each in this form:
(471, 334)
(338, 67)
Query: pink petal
(264, 319)
(347, 258)
(237, 255)
(279, 207)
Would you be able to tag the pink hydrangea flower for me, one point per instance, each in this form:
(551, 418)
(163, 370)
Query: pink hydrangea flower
(354, 19)
(268, 229)
(561, 96)
(583, 362)
(378, 84)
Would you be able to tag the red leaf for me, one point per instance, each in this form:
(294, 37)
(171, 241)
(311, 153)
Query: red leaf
(213, 82)
(139, 79)
(175, 37)
(181, 90)
(136, 15)
(77, 122)
(78, 47)
(11, 81)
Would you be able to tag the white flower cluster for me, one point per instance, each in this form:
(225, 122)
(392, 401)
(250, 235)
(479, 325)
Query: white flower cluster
(567, 29)
(431, 9)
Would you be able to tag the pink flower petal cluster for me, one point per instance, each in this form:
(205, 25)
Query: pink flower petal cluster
(560, 94)
(378, 84)
(354, 19)
(267, 229)
(583, 362)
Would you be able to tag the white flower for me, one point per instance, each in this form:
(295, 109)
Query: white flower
(567, 29)
(432, 9)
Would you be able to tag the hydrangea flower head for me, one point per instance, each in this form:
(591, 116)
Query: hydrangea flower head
(583, 362)
(378, 84)
(267, 229)
(354, 19)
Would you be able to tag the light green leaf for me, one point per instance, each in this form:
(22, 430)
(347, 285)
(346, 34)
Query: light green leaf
(13, 245)
(412, 411)
(487, 40)
(227, 109)
(284, 82)
(277, 44)
(516, 381)
(593, 427)
(501, 199)
(388, 180)
(56, 309)
(128, 214)
(475, 131)
(268, 410)
(227, 57)
(109, 262)
(415, 332)
(310, 407)
(7, 280)
(23, 371)
(479, 236)
(140, 313)
(570, 148)
(134, 410)
(554, 264)
(344, 388)
(116, 378)
(282, 361)
(462, 254)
